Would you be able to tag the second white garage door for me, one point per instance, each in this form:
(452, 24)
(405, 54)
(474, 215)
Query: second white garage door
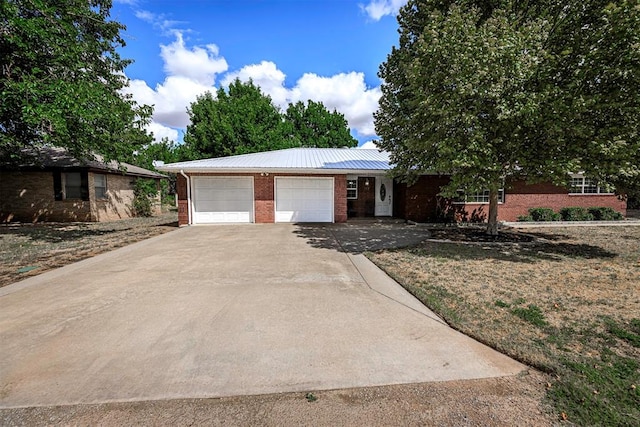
(222, 199)
(304, 199)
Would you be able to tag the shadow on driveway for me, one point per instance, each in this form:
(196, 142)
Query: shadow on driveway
(362, 237)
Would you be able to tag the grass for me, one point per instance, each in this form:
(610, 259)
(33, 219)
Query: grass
(30, 249)
(567, 304)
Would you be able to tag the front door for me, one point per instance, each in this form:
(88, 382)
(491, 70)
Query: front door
(384, 195)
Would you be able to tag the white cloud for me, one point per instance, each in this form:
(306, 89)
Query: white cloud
(376, 9)
(201, 64)
(160, 131)
(369, 145)
(191, 71)
(267, 76)
(344, 92)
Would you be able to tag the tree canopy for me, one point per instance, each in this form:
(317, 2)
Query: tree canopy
(61, 81)
(312, 125)
(243, 120)
(487, 90)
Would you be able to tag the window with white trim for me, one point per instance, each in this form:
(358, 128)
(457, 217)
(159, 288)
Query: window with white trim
(100, 185)
(352, 189)
(580, 184)
(478, 197)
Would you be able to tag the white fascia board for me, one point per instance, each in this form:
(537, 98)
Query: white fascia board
(368, 172)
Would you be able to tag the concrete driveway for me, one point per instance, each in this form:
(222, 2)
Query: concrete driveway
(221, 311)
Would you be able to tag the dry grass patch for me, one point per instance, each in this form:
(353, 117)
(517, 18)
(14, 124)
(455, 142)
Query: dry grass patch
(30, 249)
(567, 303)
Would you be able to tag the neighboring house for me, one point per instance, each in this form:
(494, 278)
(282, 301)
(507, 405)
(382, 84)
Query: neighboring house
(334, 184)
(58, 187)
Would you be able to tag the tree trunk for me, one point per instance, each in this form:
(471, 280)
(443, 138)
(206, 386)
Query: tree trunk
(492, 221)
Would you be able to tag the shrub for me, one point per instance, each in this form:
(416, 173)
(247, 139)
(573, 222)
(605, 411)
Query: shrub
(543, 214)
(605, 214)
(144, 193)
(525, 218)
(575, 214)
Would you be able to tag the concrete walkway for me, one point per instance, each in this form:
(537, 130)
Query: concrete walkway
(222, 311)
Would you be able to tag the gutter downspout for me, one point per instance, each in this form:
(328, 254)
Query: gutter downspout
(188, 195)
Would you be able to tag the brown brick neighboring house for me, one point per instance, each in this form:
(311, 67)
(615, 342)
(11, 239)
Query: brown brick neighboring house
(58, 187)
(335, 184)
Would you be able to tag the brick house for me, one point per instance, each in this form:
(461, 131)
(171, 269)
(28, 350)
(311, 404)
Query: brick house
(59, 187)
(335, 184)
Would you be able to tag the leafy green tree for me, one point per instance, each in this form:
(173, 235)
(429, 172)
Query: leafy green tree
(238, 121)
(312, 125)
(61, 81)
(243, 120)
(488, 90)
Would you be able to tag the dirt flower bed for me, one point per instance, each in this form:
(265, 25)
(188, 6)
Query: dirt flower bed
(30, 249)
(567, 303)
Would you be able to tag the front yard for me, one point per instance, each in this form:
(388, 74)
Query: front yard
(30, 249)
(567, 303)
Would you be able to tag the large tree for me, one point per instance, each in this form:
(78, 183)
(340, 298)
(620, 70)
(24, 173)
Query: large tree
(489, 90)
(312, 125)
(236, 121)
(61, 81)
(241, 119)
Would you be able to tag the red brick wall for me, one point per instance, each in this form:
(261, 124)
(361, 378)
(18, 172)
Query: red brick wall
(264, 198)
(183, 204)
(420, 203)
(340, 198)
(364, 205)
(520, 197)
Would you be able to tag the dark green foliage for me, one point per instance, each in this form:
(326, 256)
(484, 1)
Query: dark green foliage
(312, 125)
(605, 214)
(145, 192)
(501, 304)
(575, 214)
(244, 120)
(544, 214)
(61, 78)
(531, 314)
(525, 218)
(487, 90)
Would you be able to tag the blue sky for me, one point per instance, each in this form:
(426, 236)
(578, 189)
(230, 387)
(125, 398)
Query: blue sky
(328, 51)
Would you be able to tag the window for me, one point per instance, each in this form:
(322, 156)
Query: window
(100, 185)
(352, 189)
(478, 197)
(582, 185)
(71, 185)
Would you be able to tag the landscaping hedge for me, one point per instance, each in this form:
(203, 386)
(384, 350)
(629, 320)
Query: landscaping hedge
(572, 214)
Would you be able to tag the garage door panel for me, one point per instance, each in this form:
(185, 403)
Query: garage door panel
(304, 199)
(223, 199)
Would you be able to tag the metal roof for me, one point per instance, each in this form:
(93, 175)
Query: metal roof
(307, 160)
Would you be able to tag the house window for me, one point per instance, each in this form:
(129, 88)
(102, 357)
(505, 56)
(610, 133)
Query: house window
(352, 189)
(100, 185)
(582, 185)
(478, 197)
(71, 185)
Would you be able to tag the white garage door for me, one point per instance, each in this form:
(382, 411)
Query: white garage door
(222, 199)
(304, 199)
